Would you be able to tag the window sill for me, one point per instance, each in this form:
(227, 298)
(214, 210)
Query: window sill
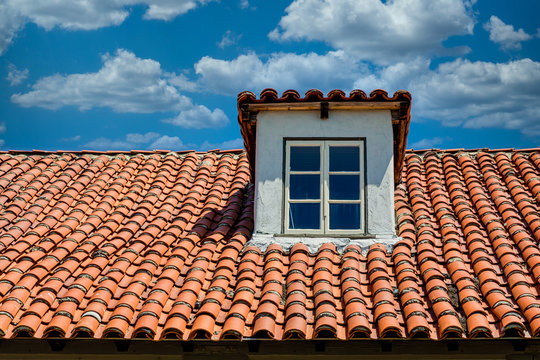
(327, 236)
(314, 241)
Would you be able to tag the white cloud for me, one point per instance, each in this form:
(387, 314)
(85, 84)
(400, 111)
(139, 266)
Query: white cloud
(150, 141)
(400, 75)
(70, 14)
(153, 141)
(226, 145)
(91, 14)
(71, 139)
(103, 143)
(125, 84)
(10, 22)
(15, 76)
(141, 138)
(228, 39)
(167, 9)
(457, 93)
(129, 142)
(483, 94)
(376, 30)
(199, 117)
(3, 127)
(470, 94)
(2, 142)
(183, 83)
(505, 35)
(280, 70)
(426, 143)
(173, 143)
(244, 4)
(81, 14)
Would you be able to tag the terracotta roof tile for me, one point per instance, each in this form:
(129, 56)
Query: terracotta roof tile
(156, 245)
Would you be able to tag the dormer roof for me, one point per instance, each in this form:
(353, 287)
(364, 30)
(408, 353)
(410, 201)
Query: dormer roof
(399, 105)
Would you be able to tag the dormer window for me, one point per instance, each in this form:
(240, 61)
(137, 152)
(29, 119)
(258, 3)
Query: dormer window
(324, 186)
(324, 167)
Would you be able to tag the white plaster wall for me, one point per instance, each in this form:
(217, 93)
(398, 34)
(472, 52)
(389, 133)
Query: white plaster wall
(375, 126)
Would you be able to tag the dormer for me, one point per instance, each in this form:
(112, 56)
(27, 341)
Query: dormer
(324, 168)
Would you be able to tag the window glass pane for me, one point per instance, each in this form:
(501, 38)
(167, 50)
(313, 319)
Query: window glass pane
(305, 158)
(305, 187)
(344, 158)
(344, 187)
(304, 216)
(344, 216)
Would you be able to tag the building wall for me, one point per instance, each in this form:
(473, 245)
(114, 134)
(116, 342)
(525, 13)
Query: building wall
(374, 125)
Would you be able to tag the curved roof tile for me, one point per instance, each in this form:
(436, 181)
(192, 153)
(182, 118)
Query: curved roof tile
(156, 245)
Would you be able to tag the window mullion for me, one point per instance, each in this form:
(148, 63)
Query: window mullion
(287, 184)
(343, 172)
(325, 195)
(297, 172)
(362, 188)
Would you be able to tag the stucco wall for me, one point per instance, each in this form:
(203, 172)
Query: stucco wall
(375, 126)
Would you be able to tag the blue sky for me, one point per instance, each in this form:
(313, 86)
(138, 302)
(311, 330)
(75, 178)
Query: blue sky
(164, 74)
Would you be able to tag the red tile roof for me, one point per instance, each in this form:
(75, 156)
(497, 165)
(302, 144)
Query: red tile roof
(155, 245)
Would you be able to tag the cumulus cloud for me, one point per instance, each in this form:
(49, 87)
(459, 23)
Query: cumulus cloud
(165, 142)
(71, 15)
(3, 127)
(279, 70)
(377, 30)
(70, 139)
(141, 138)
(474, 94)
(153, 141)
(229, 144)
(16, 76)
(199, 117)
(457, 93)
(505, 35)
(130, 141)
(400, 75)
(11, 21)
(81, 14)
(182, 82)
(483, 94)
(229, 39)
(471, 94)
(244, 4)
(103, 143)
(167, 9)
(428, 143)
(125, 84)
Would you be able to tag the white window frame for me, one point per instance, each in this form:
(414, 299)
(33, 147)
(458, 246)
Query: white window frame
(324, 221)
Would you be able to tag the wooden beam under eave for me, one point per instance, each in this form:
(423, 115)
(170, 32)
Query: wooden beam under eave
(332, 105)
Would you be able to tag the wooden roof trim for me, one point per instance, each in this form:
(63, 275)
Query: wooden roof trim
(332, 105)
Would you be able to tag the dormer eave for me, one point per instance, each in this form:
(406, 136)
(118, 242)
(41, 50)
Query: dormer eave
(314, 100)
